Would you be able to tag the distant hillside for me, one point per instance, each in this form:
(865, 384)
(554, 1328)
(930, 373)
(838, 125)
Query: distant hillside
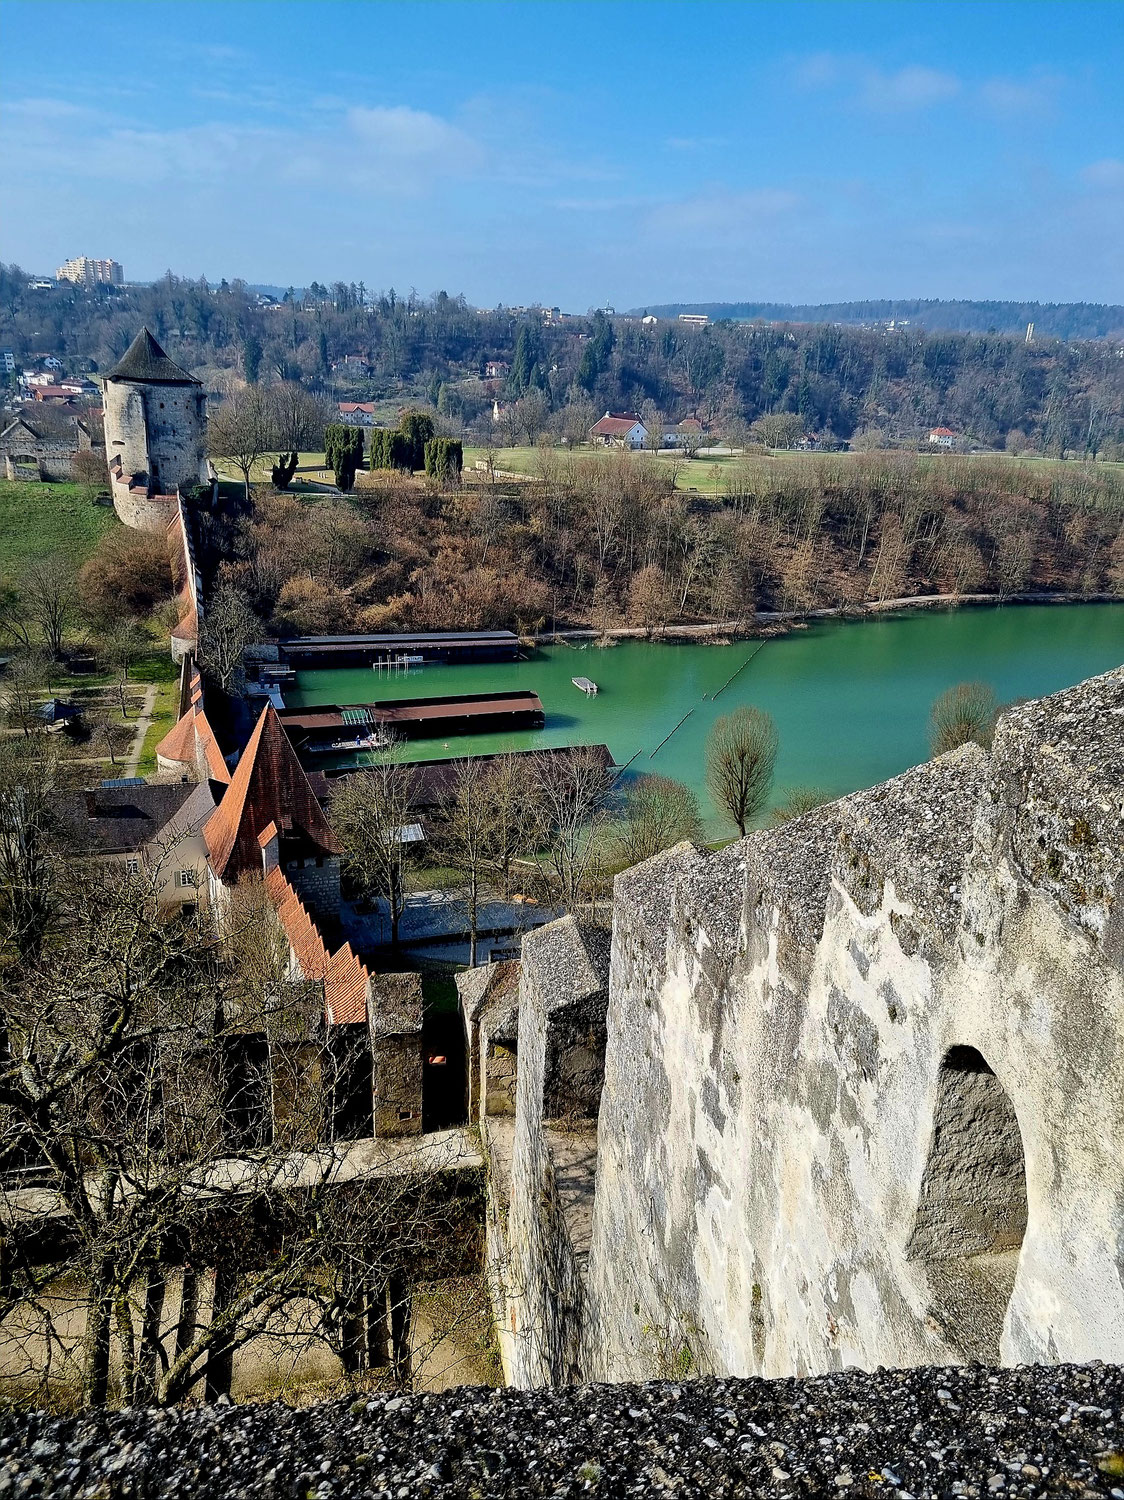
(1062, 320)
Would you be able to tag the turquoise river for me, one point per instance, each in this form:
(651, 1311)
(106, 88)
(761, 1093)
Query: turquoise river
(850, 699)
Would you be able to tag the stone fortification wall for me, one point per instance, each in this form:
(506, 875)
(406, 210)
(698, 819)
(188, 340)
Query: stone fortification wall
(154, 445)
(545, 1168)
(864, 1077)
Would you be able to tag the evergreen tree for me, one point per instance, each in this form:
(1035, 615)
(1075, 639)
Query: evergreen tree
(417, 428)
(251, 358)
(444, 458)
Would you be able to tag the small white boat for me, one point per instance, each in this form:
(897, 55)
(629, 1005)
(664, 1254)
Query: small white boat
(585, 684)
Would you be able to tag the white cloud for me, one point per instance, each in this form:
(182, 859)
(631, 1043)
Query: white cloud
(400, 150)
(907, 88)
(413, 139)
(716, 215)
(1020, 96)
(1108, 173)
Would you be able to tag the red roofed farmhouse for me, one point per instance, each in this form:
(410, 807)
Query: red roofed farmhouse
(619, 430)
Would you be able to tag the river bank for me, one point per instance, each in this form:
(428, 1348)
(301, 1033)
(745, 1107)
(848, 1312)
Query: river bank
(749, 629)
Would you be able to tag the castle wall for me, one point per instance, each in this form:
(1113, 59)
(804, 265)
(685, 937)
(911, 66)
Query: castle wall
(539, 1243)
(157, 432)
(848, 1061)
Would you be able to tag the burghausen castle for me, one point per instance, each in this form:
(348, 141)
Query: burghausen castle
(850, 1092)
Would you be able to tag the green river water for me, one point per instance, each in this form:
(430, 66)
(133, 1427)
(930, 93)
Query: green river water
(850, 699)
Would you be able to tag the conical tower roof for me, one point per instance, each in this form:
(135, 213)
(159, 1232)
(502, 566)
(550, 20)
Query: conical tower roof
(144, 361)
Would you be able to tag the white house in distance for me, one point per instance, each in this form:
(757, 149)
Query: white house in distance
(942, 437)
(619, 429)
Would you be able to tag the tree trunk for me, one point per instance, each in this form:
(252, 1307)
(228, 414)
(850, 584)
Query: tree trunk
(148, 1355)
(472, 918)
(99, 1310)
(220, 1356)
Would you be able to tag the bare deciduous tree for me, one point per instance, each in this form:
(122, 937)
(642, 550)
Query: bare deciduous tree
(370, 812)
(229, 626)
(243, 430)
(50, 598)
(658, 813)
(492, 814)
(576, 797)
(741, 751)
(167, 1196)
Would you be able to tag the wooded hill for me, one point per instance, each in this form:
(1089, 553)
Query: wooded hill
(879, 387)
(1060, 320)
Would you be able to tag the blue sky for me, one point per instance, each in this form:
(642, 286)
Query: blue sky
(576, 153)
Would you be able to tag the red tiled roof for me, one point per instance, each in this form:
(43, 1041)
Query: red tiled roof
(179, 742)
(345, 978)
(615, 424)
(367, 406)
(941, 432)
(216, 766)
(188, 627)
(268, 785)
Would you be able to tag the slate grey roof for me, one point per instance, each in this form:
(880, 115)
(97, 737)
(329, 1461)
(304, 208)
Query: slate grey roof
(145, 361)
(120, 820)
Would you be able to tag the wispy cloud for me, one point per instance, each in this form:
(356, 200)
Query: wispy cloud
(1108, 173)
(397, 149)
(716, 216)
(907, 88)
(916, 87)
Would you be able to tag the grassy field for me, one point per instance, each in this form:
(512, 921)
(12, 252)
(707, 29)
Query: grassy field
(42, 520)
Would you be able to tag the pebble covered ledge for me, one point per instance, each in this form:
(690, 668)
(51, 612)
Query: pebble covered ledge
(966, 1431)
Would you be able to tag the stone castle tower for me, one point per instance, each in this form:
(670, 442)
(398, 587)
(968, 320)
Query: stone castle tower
(153, 434)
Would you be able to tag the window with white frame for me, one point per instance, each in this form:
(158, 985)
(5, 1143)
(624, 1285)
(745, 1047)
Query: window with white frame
(132, 865)
(185, 878)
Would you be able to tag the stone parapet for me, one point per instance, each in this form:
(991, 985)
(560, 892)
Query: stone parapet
(864, 1074)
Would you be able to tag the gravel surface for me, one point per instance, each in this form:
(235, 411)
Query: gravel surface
(1049, 1429)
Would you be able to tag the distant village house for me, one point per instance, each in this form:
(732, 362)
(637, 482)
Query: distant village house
(619, 430)
(357, 413)
(942, 437)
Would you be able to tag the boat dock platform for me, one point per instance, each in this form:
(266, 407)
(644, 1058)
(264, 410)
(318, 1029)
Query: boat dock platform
(329, 726)
(586, 684)
(450, 646)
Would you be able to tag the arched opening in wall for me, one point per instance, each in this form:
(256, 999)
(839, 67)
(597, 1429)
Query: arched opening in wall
(971, 1214)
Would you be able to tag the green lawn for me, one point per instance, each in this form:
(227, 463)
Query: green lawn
(42, 520)
(166, 674)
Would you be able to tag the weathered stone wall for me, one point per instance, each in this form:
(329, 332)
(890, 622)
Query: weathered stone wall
(563, 994)
(865, 1075)
(154, 431)
(317, 882)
